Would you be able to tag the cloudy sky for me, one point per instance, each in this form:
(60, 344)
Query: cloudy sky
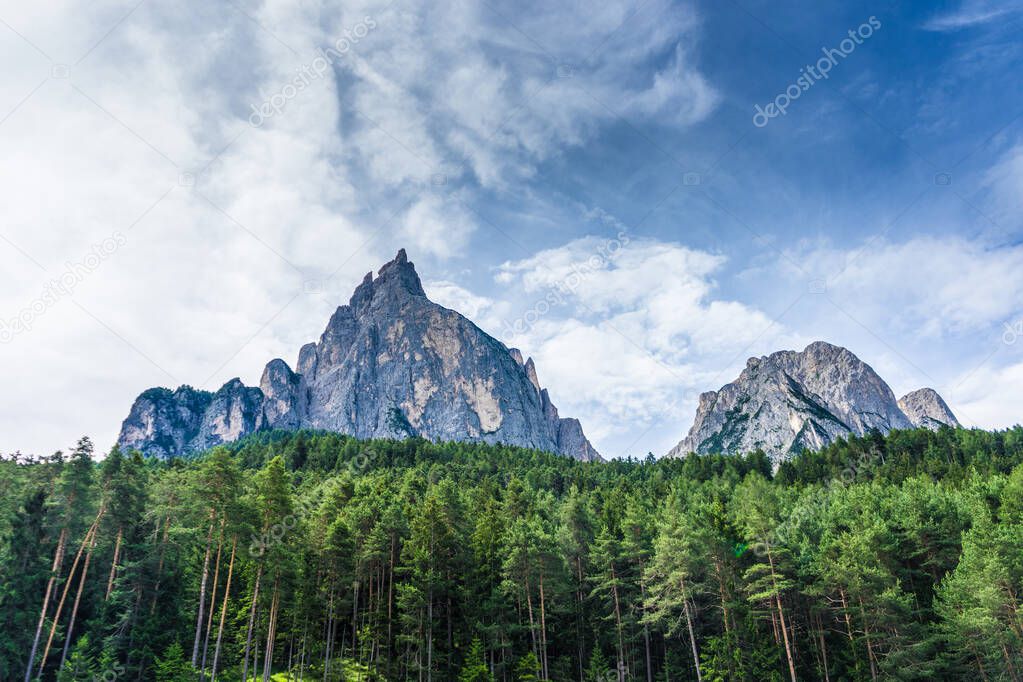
(191, 188)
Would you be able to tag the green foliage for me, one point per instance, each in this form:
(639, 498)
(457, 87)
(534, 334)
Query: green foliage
(172, 666)
(475, 667)
(526, 669)
(891, 557)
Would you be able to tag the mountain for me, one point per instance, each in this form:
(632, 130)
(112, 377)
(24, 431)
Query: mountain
(791, 401)
(925, 408)
(390, 364)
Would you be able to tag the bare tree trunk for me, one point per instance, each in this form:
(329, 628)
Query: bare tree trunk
(355, 617)
(63, 595)
(870, 646)
(252, 622)
(223, 611)
(330, 635)
(213, 603)
(202, 595)
(271, 633)
(781, 617)
(618, 625)
(429, 629)
(159, 567)
(78, 598)
(824, 647)
(113, 564)
(646, 630)
(692, 635)
(532, 623)
(543, 630)
(58, 558)
(390, 606)
(579, 618)
(785, 635)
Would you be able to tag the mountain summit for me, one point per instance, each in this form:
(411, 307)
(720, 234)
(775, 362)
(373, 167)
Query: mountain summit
(390, 364)
(791, 401)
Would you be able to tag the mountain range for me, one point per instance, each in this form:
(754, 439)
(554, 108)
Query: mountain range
(390, 364)
(394, 364)
(791, 401)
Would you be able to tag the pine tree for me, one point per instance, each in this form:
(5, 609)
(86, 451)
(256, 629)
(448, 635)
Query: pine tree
(475, 668)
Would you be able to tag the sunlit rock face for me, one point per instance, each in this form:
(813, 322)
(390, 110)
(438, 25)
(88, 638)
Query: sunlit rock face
(925, 408)
(390, 364)
(792, 401)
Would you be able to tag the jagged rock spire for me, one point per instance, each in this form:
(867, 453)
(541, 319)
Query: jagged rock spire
(390, 363)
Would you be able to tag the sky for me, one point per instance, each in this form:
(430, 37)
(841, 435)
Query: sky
(639, 194)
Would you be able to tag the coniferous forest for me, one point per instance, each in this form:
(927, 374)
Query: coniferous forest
(314, 556)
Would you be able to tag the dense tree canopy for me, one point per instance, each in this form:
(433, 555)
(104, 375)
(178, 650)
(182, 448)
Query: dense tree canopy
(315, 556)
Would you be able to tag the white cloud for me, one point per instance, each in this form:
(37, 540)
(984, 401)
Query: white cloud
(972, 13)
(989, 396)
(437, 226)
(457, 298)
(1004, 181)
(632, 335)
(932, 287)
(538, 78)
(138, 121)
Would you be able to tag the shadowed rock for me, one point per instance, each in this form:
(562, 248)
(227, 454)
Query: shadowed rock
(390, 364)
(792, 401)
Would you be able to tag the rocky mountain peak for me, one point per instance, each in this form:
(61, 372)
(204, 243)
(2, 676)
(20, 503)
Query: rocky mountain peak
(791, 401)
(390, 363)
(925, 408)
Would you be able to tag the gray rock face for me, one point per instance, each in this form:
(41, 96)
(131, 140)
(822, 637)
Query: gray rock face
(789, 401)
(390, 364)
(166, 422)
(926, 409)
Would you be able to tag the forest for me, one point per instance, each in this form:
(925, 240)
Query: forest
(315, 556)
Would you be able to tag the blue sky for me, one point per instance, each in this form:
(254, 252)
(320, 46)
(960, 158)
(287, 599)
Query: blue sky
(586, 183)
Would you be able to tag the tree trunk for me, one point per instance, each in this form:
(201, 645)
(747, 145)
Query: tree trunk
(723, 596)
(390, 606)
(692, 635)
(355, 617)
(781, 617)
(646, 630)
(532, 623)
(271, 632)
(824, 647)
(58, 558)
(78, 598)
(618, 625)
(202, 595)
(89, 534)
(113, 564)
(223, 611)
(543, 631)
(785, 635)
(330, 635)
(579, 619)
(252, 622)
(159, 567)
(429, 630)
(870, 645)
(213, 603)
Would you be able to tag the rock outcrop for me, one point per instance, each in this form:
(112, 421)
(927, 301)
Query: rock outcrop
(792, 401)
(390, 364)
(925, 408)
